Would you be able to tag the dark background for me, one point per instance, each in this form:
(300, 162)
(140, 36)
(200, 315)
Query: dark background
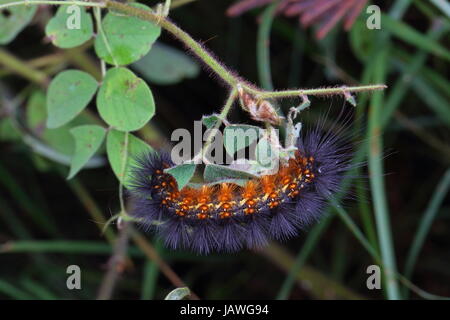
(39, 206)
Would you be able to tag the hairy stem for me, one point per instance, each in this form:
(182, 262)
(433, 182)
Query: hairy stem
(207, 58)
(181, 35)
(315, 92)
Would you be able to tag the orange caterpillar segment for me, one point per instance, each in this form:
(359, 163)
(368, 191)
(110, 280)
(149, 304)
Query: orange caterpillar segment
(228, 200)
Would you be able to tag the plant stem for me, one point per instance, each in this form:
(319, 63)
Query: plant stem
(319, 284)
(263, 47)
(188, 41)
(315, 92)
(225, 75)
(425, 223)
(222, 116)
(123, 210)
(91, 206)
(115, 264)
(22, 68)
(153, 255)
(377, 184)
(313, 238)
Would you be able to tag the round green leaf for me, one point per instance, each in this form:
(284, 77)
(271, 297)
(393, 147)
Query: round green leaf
(13, 20)
(88, 139)
(68, 94)
(125, 101)
(182, 173)
(166, 65)
(70, 27)
(125, 39)
(115, 148)
(54, 144)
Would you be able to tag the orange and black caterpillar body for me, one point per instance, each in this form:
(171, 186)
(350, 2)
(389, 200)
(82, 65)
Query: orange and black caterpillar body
(229, 217)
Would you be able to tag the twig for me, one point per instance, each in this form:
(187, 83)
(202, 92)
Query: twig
(319, 284)
(22, 68)
(116, 264)
(153, 255)
(91, 207)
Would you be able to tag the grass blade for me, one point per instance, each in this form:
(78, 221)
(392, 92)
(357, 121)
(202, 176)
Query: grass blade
(426, 222)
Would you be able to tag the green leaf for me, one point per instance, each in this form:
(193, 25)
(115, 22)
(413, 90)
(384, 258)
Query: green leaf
(9, 131)
(182, 173)
(214, 172)
(210, 121)
(165, 65)
(115, 148)
(267, 156)
(124, 100)
(128, 39)
(68, 94)
(58, 139)
(70, 27)
(13, 20)
(237, 137)
(178, 294)
(88, 139)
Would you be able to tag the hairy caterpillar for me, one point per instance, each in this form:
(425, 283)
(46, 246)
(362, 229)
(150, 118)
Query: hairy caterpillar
(228, 217)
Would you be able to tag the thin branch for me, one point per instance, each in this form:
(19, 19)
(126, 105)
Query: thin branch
(222, 117)
(315, 92)
(116, 264)
(153, 255)
(22, 68)
(181, 35)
